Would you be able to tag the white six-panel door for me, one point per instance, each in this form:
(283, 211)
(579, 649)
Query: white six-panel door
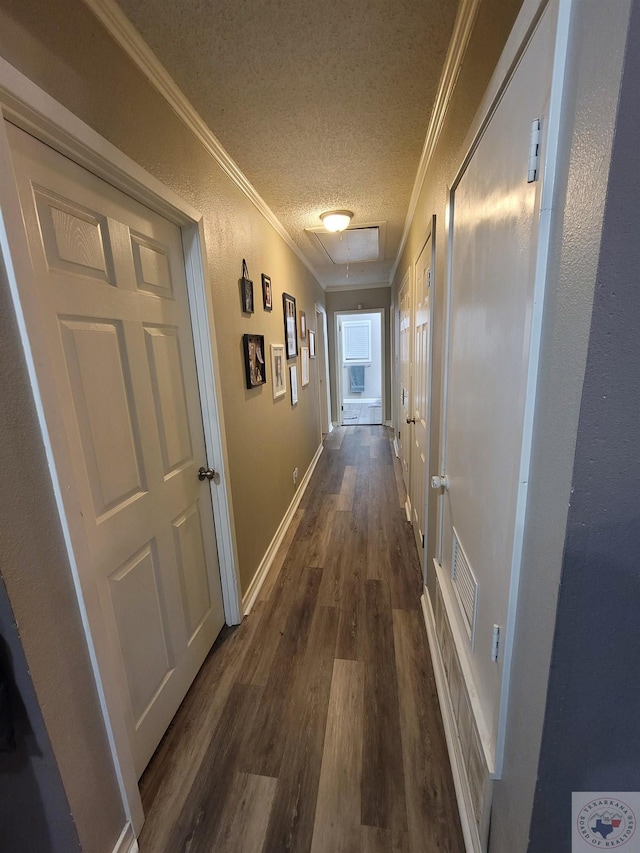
(404, 352)
(495, 215)
(420, 398)
(110, 285)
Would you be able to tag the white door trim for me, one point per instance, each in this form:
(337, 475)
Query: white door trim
(338, 315)
(29, 107)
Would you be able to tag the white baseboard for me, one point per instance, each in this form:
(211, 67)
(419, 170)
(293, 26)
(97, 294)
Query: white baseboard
(127, 843)
(388, 423)
(407, 510)
(396, 449)
(249, 598)
(463, 792)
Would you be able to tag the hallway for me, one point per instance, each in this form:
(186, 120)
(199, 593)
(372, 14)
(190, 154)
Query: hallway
(315, 724)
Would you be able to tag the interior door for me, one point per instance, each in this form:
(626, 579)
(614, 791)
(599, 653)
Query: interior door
(494, 222)
(404, 348)
(321, 360)
(111, 294)
(420, 399)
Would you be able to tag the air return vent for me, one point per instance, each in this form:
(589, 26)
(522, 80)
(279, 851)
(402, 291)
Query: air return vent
(465, 586)
(355, 245)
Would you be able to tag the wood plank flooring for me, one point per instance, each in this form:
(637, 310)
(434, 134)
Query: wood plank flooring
(314, 726)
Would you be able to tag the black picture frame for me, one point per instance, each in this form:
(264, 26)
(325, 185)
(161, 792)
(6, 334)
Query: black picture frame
(267, 293)
(255, 363)
(290, 325)
(246, 294)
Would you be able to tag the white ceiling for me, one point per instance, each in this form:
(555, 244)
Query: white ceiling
(321, 104)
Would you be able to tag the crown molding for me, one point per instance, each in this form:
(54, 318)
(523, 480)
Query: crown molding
(462, 29)
(125, 34)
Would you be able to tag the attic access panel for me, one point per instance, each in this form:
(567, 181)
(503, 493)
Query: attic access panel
(351, 246)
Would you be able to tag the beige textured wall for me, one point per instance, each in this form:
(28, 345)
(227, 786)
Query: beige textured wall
(63, 49)
(348, 300)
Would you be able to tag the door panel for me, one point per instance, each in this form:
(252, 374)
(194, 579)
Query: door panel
(495, 215)
(111, 290)
(420, 399)
(404, 302)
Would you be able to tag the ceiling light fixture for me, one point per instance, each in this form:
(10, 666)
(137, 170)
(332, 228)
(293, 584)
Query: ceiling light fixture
(336, 220)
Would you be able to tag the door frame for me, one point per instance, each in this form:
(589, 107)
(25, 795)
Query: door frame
(338, 315)
(24, 104)
(322, 339)
(430, 234)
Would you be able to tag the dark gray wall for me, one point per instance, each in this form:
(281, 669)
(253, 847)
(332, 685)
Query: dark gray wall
(591, 737)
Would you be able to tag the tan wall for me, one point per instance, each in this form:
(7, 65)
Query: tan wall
(63, 49)
(348, 300)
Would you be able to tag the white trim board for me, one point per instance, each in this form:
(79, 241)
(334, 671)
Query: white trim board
(125, 34)
(462, 30)
(461, 785)
(249, 598)
(127, 843)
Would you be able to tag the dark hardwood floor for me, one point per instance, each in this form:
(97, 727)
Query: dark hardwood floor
(314, 725)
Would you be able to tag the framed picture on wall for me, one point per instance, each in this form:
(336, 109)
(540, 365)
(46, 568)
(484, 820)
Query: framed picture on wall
(278, 371)
(290, 331)
(304, 366)
(312, 344)
(293, 379)
(246, 286)
(254, 363)
(303, 326)
(267, 294)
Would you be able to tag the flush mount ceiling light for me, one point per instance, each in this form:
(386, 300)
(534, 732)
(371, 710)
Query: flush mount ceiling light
(336, 220)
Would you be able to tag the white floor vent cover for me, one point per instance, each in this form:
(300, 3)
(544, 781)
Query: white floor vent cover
(465, 585)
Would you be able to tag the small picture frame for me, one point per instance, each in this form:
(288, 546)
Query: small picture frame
(278, 371)
(267, 293)
(290, 331)
(304, 366)
(303, 326)
(254, 361)
(293, 380)
(246, 291)
(312, 344)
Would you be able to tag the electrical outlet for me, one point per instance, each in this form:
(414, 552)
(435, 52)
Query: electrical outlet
(295, 476)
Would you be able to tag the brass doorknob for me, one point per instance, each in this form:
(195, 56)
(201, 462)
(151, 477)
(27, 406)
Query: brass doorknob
(206, 474)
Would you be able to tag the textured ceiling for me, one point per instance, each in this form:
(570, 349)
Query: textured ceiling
(321, 104)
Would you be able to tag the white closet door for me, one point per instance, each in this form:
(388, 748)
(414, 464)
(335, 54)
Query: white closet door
(111, 293)
(495, 215)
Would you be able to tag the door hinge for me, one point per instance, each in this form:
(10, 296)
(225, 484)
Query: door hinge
(534, 151)
(423, 540)
(495, 642)
(429, 278)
